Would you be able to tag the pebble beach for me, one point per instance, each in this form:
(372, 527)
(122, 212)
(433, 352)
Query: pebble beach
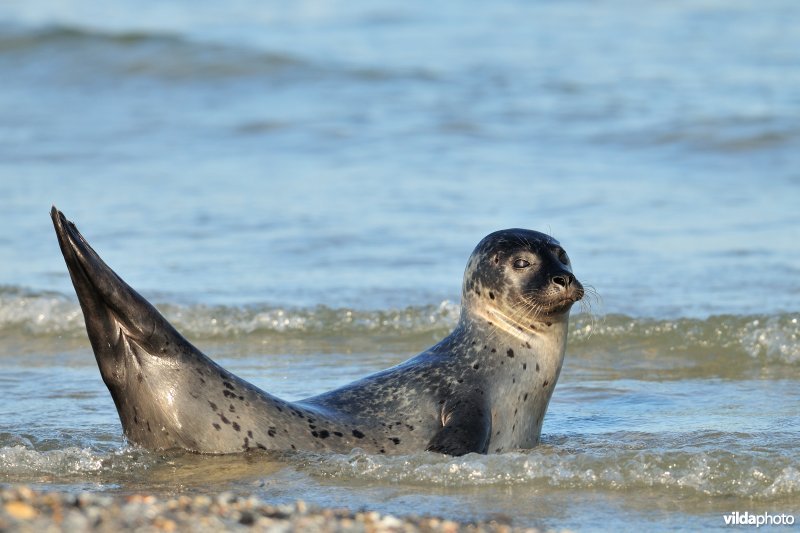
(23, 509)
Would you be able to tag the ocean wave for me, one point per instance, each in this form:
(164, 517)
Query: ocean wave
(727, 133)
(730, 470)
(770, 337)
(24, 464)
(619, 467)
(773, 338)
(135, 54)
(173, 57)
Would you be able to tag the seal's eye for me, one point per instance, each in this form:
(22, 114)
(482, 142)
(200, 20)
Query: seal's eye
(562, 256)
(521, 263)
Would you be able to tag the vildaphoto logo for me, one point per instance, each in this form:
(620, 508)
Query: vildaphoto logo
(764, 519)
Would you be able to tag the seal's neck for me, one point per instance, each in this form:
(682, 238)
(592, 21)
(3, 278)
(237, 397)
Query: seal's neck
(549, 332)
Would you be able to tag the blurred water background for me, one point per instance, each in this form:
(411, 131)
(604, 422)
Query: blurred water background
(298, 187)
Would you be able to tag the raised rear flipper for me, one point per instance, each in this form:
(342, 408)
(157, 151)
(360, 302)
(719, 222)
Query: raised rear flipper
(114, 312)
(168, 394)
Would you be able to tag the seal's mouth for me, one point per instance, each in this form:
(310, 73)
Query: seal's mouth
(560, 301)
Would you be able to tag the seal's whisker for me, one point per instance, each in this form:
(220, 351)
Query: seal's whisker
(591, 298)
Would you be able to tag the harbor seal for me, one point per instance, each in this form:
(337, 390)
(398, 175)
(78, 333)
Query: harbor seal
(484, 388)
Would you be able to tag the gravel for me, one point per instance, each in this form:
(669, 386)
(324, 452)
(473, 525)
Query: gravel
(23, 509)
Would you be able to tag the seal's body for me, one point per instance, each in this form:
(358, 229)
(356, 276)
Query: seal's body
(484, 388)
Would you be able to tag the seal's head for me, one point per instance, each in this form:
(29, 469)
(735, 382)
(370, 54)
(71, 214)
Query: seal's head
(520, 276)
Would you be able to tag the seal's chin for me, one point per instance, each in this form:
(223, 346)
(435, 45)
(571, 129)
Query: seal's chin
(562, 302)
(559, 308)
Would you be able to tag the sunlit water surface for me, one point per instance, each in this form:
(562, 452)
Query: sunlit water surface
(298, 188)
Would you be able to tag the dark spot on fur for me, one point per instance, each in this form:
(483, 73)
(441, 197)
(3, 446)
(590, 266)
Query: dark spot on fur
(510, 353)
(459, 380)
(357, 434)
(236, 427)
(537, 367)
(139, 377)
(271, 431)
(395, 440)
(525, 399)
(314, 434)
(496, 258)
(231, 408)
(476, 366)
(548, 324)
(545, 383)
(261, 446)
(382, 450)
(494, 350)
(246, 443)
(148, 427)
(202, 381)
(491, 295)
(524, 366)
(324, 434)
(338, 433)
(228, 394)
(312, 426)
(410, 427)
(224, 419)
(241, 397)
(279, 408)
(216, 426)
(228, 385)
(294, 447)
(250, 433)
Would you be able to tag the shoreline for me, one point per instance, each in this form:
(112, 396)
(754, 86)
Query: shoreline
(25, 509)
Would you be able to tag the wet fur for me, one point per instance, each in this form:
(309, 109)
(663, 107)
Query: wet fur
(484, 388)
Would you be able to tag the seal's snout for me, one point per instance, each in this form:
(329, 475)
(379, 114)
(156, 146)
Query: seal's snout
(564, 279)
(570, 288)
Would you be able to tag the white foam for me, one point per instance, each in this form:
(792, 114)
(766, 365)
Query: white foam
(709, 473)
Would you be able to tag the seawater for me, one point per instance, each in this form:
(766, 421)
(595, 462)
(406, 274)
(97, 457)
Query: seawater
(298, 187)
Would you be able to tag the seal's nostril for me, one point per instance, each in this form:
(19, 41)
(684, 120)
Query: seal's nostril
(565, 280)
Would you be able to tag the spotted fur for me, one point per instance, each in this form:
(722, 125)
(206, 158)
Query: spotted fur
(484, 388)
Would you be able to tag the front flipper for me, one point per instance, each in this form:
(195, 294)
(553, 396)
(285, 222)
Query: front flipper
(466, 427)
